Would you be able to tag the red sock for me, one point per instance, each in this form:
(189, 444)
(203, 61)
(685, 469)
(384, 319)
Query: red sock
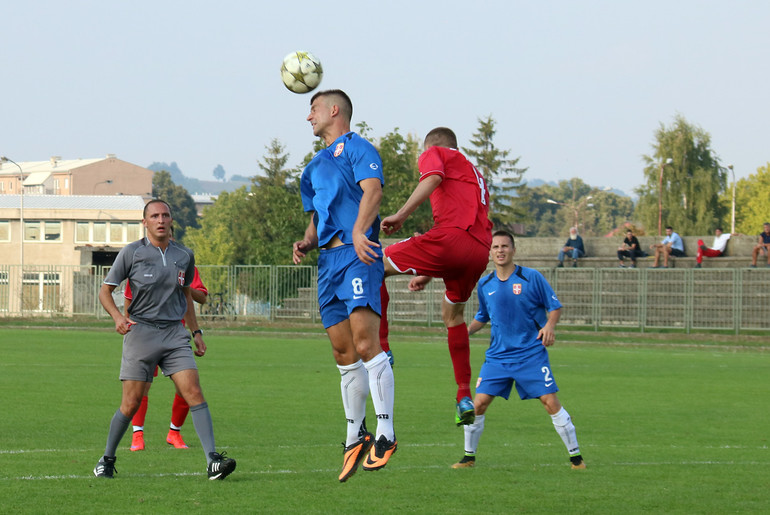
(460, 351)
(384, 301)
(179, 410)
(138, 419)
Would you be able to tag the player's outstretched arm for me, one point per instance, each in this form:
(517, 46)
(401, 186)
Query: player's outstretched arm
(392, 223)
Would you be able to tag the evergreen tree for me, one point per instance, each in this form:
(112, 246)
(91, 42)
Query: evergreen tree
(503, 178)
(182, 205)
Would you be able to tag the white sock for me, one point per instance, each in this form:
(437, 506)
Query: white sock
(138, 428)
(563, 424)
(175, 428)
(354, 387)
(473, 434)
(382, 388)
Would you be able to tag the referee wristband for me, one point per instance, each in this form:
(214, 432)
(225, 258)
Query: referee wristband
(197, 331)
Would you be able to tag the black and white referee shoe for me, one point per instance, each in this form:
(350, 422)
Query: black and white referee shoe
(220, 467)
(106, 467)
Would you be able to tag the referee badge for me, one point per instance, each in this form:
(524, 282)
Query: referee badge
(517, 288)
(338, 149)
(180, 278)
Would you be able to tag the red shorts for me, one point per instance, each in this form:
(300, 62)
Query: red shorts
(451, 254)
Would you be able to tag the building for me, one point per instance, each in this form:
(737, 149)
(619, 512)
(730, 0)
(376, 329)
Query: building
(59, 241)
(102, 176)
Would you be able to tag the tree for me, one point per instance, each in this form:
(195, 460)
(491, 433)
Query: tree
(219, 173)
(555, 209)
(691, 185)
(503, 179)
(182, 205)
(220, 238)
(399, 165)
(274, 210)
(751, 196)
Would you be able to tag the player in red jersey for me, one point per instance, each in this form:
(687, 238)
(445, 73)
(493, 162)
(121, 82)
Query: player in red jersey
(455, 249)
(179, 408)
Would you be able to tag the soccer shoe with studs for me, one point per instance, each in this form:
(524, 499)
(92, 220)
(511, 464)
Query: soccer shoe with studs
(175, 438)
(577, 462)
(465, 413)
(466, 462)
(354, 454)
(137, 441)
(220, 466)
(380, 453)
(106, 467)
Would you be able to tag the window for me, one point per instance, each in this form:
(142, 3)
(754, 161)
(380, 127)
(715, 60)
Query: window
(107, 232)
(37, 230)
(5, 230)
(116, 233)
(41, 291)
(100, 232)
(32, 231)
(133, 231)
(82, 232)
(2, 186)
(52, 231)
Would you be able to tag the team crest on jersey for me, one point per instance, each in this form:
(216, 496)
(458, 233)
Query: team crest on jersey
(180, 278)
(517, 288)
(338, 149)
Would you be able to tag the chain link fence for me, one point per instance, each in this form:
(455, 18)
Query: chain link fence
(634, 299)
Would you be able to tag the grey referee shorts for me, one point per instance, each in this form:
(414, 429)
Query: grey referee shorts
(147, 346)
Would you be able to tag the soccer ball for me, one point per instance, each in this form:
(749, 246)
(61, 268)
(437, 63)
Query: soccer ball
(301, 72)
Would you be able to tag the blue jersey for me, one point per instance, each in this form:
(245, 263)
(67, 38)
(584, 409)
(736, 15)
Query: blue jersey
(329, 186)
(517, 308)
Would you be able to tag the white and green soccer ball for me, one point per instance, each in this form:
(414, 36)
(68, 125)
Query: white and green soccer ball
(301, 72)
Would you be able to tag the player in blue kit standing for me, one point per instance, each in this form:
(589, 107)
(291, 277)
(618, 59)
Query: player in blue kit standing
(342, 187)
(524, 310)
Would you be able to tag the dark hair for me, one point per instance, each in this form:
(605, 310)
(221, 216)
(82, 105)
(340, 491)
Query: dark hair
(155, 201)
(669, 227)
(441, 137)
(507, 234)
(719, 229)
(342, 100)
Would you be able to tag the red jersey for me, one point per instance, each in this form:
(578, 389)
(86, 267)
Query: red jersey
(462, 198)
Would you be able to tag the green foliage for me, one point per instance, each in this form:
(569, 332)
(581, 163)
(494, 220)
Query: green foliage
(644, 452)
(603, 212)
(256, 226)
(274, 211)
(692, 182)
(399, 164)
(182, 205)
(507, 193)
(751, 196)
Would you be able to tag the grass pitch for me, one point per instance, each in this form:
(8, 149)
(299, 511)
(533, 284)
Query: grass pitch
(663, 428)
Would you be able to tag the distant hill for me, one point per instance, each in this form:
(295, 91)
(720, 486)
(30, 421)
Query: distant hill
(534, 183)
(197, 186)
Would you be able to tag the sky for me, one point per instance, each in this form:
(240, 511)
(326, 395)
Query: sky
(577, 88)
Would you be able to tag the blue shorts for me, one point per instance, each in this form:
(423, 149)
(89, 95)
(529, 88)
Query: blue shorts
(345, 283)
(533, 378)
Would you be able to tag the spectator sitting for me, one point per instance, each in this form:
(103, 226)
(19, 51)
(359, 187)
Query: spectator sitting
(763, 246)
(672, 245)
(630, 249)
(573, 247)
(716, 250)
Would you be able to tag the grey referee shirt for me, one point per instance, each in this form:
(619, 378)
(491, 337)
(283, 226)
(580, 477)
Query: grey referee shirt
(156, 278)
